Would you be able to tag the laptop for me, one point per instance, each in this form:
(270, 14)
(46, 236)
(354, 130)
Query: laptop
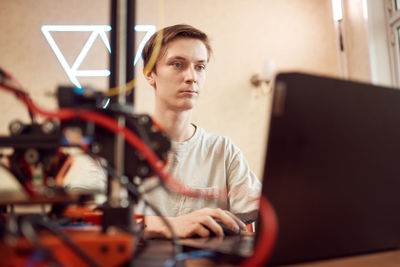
(332, 168)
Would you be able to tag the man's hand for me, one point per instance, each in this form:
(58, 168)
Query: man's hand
(200, 222)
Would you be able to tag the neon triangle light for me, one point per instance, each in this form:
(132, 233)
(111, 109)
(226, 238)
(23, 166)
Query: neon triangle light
(96, 30)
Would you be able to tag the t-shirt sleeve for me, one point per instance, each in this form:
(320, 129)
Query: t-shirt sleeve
(86, 175)
(244, 186)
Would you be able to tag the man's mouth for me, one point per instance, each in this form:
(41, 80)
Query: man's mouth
(189, 91)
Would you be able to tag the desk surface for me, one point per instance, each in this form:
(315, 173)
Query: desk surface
(381, 259)
(156, 252)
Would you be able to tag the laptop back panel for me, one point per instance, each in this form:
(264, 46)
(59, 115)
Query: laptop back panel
(332, 168)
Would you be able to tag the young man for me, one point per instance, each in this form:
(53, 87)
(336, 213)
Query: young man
(177, 72)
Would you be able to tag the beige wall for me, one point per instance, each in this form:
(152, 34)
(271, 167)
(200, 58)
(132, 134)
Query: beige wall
(296, 34)
(356, 41)
(26, 54)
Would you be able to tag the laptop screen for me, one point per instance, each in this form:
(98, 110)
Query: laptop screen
(332, 168)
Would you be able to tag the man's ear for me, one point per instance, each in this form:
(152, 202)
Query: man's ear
(149, 76)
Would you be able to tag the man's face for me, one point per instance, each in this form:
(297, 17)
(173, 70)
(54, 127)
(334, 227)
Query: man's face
(180, 74)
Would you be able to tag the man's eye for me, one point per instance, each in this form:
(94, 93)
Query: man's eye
(177, 65)
(200, 67)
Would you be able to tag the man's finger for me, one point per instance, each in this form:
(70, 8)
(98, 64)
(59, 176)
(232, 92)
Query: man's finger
(223, 217)
(241, 224)
(212, 226)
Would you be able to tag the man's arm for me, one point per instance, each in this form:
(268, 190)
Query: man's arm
(244, 187)
(200, 222)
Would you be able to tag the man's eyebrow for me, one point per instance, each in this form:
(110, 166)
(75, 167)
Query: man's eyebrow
(176, 57)
(183, 58)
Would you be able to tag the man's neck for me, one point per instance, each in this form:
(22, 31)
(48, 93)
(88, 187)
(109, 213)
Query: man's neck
(176, 124)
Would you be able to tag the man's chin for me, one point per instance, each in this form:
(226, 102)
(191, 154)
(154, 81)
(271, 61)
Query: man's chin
(187, 106)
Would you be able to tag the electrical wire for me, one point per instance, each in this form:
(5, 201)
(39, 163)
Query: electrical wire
(136, 233)
(126, 183)
(8, 77)
(113, 126)
(141, 131)
(266, 210)
(150, 156)
(134, 190)
(121, 89)
(60, 234)
(27, 186)
(268, 215)
(28, 232)
(153, 58)
(175, 239)
(267, 238)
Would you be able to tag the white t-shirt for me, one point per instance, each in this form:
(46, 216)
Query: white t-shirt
(207, 161)
(86, 175)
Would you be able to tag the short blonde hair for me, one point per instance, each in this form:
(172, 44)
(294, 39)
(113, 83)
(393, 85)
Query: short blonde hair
(168, 35)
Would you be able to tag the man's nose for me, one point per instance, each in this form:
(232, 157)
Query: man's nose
(190, 75)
